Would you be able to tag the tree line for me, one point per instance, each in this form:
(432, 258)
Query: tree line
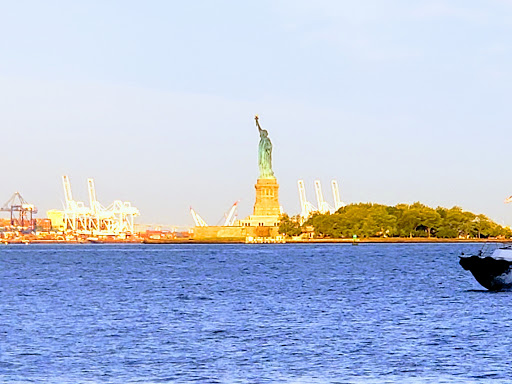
(403, 220)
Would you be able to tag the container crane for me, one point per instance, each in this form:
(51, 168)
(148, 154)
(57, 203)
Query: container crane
(227, 221)
(17, 204)
(94, 222)
(198, 220)
(336, 195)
(75, 214)
(117, 219)
(232, 215)
(94, 205)
(306, 207)
(323, 207)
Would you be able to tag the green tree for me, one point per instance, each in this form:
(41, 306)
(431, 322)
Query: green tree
(385, 222)
(430, 219)
(409, 220)
(405, 220)
(290, 226)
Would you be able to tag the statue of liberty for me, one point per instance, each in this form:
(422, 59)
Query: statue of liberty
(264, 153)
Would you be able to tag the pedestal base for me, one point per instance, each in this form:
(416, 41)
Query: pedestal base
(267, 210)
(267, 198)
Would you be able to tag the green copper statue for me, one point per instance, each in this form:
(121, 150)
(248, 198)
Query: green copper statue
(264, 153)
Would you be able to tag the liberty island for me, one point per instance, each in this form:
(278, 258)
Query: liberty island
(263, 224)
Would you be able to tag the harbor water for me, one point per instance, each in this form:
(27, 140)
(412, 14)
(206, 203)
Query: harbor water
(280, 313)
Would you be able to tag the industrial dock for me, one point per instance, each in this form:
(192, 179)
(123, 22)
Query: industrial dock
(78, 223)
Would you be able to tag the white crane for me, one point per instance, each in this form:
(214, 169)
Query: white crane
(198, 220)
(94, 220)
(67, 191)
(323, 207)
(119, 216)
(336, 195)
(94, 205)
(115, 220)
(70, 203)
(306, 207)
(232, 215)
(75, 214)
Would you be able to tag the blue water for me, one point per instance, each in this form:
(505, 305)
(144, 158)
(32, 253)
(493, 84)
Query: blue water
(405, 313)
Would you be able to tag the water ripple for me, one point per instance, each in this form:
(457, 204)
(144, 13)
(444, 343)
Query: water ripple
(248, 314)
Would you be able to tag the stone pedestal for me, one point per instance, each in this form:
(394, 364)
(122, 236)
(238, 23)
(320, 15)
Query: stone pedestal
(267, 211)
(267, 198)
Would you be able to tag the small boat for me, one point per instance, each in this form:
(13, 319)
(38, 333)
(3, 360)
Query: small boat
(491, 267)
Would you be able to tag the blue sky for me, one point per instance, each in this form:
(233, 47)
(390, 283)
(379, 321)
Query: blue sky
(399, 101)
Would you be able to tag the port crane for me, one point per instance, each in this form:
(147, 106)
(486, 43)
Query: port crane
(323, 207)
(114, 220)
(76, 214)
(94, 204)
(229, 217)
(336, 194)
(306, 207)
(198, 220)
(95, 207)
(25, 211)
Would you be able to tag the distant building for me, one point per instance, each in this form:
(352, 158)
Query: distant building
(57, 219)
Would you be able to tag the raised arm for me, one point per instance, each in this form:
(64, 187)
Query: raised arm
(257, 123)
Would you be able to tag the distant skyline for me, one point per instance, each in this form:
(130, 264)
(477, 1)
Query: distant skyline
(398, 101)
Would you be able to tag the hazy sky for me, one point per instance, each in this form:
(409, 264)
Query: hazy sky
(400, 101)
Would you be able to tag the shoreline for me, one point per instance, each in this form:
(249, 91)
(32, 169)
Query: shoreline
(394, 240)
